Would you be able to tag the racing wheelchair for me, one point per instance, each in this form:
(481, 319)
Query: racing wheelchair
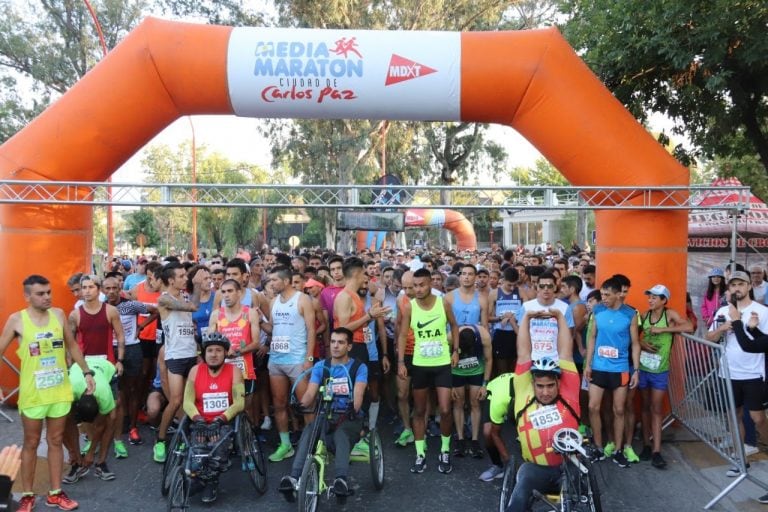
(579, 491)
(313, 482)
(189, 459)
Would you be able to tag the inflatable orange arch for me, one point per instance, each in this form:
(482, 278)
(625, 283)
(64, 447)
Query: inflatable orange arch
(530, 80)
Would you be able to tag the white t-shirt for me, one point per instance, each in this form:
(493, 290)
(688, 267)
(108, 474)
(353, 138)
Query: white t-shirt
(743, 365)
(759, 292)
(544, 330)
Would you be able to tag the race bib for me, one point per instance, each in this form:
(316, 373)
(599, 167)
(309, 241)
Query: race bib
(367, 335)
(340, 386)
(650, 360)
(431, 348)
(543, 347)
(545, 417)
(96, 358)
(468, 363)
(239, 362)
(608, 352)
(215, 402)
(281, 344)
(185, 330)
(45, 379)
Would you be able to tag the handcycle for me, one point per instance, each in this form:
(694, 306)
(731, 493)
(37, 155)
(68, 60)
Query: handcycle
(312, 482)
(185, 461)
(579, 491)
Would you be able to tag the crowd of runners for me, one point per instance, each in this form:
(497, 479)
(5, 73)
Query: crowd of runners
(452, 345)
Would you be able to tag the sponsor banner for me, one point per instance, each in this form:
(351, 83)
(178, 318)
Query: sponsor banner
(755, 242)
(344, 74)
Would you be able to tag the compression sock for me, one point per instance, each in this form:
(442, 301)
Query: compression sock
(373, 415)
(445, 444)
(420, 447)
(285, 439)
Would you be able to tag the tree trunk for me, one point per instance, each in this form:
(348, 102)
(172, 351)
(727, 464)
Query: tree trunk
(330, 229)
(445, 235)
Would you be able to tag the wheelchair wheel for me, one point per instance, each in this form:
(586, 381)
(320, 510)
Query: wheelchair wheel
(376, 457)
(175, 452)
(309, 486)
(508, 483)
(252, 456)
(178, 495)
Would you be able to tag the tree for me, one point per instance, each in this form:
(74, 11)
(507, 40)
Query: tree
(701, 63)
(142, 222)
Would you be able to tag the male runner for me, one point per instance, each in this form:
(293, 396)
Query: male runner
(433, 357)
(45, 394)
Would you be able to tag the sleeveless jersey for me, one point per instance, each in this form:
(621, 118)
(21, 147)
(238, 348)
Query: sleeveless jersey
(613, 341)
(213, 395)
(179, 335)
(238, 331)
(289, 332)
(431, 346)
(471, 364)
(96, 333)
(656, 362)
(148, 333)
(43, 377)
(466, 313)
(506, 303)
(358, 335)
(409, 341)
(202, 316)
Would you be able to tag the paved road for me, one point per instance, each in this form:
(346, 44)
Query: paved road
(682, 487)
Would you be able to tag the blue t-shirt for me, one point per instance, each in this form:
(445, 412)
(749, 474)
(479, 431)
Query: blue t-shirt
(132, 280)
(341, 386)
(202, 316)
(613, 339)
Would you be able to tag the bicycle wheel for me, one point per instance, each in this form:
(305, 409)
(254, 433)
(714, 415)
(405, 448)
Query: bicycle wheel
(376, 458)
(252, 456)
(175, 452)
(178, 495)
(508, 483)
(595, 504)
(309, 486)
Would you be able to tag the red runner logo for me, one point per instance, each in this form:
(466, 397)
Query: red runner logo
(402, 69)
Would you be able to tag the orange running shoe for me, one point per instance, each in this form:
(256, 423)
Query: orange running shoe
(61, 500)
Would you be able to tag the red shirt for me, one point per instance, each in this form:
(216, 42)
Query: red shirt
(213, 395)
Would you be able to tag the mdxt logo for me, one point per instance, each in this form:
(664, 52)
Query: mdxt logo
(402, 69)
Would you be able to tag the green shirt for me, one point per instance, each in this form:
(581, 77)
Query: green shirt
(103, 371)
(430, 347)
(500, 397)
(657, 362)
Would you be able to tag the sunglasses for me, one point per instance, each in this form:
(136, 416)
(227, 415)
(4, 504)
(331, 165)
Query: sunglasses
(546, 286)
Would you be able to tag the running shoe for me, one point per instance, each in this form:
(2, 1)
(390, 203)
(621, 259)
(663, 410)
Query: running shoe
(267, 423)
(27, 503)
(76, 472)
(460, 449)
(444, 463)
(288, 487)
(734, 472)
(433, 429)
(61, 500)
(646, 454)
(620, 460)
(595, 453)
(750, 450)
(102, 471)
(121, 452)
(283, 452)
(361, 448)
(492, 473)
(610, 448)
(630, 454)
(406, 438)
(475, 451)
(658, 461)
(420, 465)
(340, 487)
(210, 493)
(762, 499)
(86, 447)
(134, 437)
(158, 452)
(141, 417)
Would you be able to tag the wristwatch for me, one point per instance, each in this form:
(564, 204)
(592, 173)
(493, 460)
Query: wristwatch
(310, 359)
(89, 372)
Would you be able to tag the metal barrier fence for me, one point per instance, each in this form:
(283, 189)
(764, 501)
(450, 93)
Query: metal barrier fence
(701, 398)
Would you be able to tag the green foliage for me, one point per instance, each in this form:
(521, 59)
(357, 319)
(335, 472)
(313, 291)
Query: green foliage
(542, 175)
(703, 64)
(142, 222)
